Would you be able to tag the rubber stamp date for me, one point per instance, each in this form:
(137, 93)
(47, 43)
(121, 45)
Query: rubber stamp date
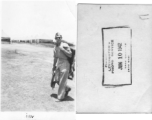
(117, 56)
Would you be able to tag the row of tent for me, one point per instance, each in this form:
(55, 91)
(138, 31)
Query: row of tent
(6, 38)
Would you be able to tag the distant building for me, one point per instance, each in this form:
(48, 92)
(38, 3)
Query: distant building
(46, 41)
(5, 37)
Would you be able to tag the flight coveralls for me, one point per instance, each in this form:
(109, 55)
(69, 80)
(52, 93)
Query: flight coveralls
(62, 70)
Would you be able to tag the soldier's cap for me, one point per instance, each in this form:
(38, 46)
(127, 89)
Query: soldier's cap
(58, 35)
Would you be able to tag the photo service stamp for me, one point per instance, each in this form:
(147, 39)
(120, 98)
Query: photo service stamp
(117, 56)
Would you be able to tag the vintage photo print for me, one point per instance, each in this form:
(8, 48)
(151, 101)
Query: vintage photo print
(114, 58)
(38, 41)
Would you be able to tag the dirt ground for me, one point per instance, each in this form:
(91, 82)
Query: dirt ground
(25, 81)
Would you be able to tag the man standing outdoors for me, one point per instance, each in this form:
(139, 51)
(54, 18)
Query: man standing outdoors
(61, 65)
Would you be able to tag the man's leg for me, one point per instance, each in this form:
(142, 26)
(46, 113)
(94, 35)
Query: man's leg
(63, 84)
(68, 89)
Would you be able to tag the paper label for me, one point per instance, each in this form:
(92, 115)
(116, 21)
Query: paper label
(117, 56)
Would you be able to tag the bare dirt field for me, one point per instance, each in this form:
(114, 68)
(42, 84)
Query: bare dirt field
(25, 81)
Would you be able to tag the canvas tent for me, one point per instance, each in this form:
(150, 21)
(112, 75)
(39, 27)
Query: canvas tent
(5, 37)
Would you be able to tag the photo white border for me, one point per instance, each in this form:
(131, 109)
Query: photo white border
(73, 115)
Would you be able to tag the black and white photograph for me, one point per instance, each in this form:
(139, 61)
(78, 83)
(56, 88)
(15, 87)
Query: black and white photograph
(76, 60)
(38, 41)
(114, 58)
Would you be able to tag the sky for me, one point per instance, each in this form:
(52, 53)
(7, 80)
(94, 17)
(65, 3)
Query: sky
(39, 19)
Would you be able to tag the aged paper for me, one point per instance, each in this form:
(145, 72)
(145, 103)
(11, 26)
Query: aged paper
(114, 59)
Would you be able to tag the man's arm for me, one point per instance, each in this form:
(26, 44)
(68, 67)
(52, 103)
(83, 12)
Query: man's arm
(54, 63)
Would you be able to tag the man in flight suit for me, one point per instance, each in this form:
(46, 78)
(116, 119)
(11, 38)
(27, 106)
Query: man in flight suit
(61, 65)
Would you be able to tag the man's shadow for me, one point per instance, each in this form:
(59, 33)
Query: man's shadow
(67, 98)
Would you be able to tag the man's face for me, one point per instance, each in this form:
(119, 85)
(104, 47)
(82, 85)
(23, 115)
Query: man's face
(58, 40)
